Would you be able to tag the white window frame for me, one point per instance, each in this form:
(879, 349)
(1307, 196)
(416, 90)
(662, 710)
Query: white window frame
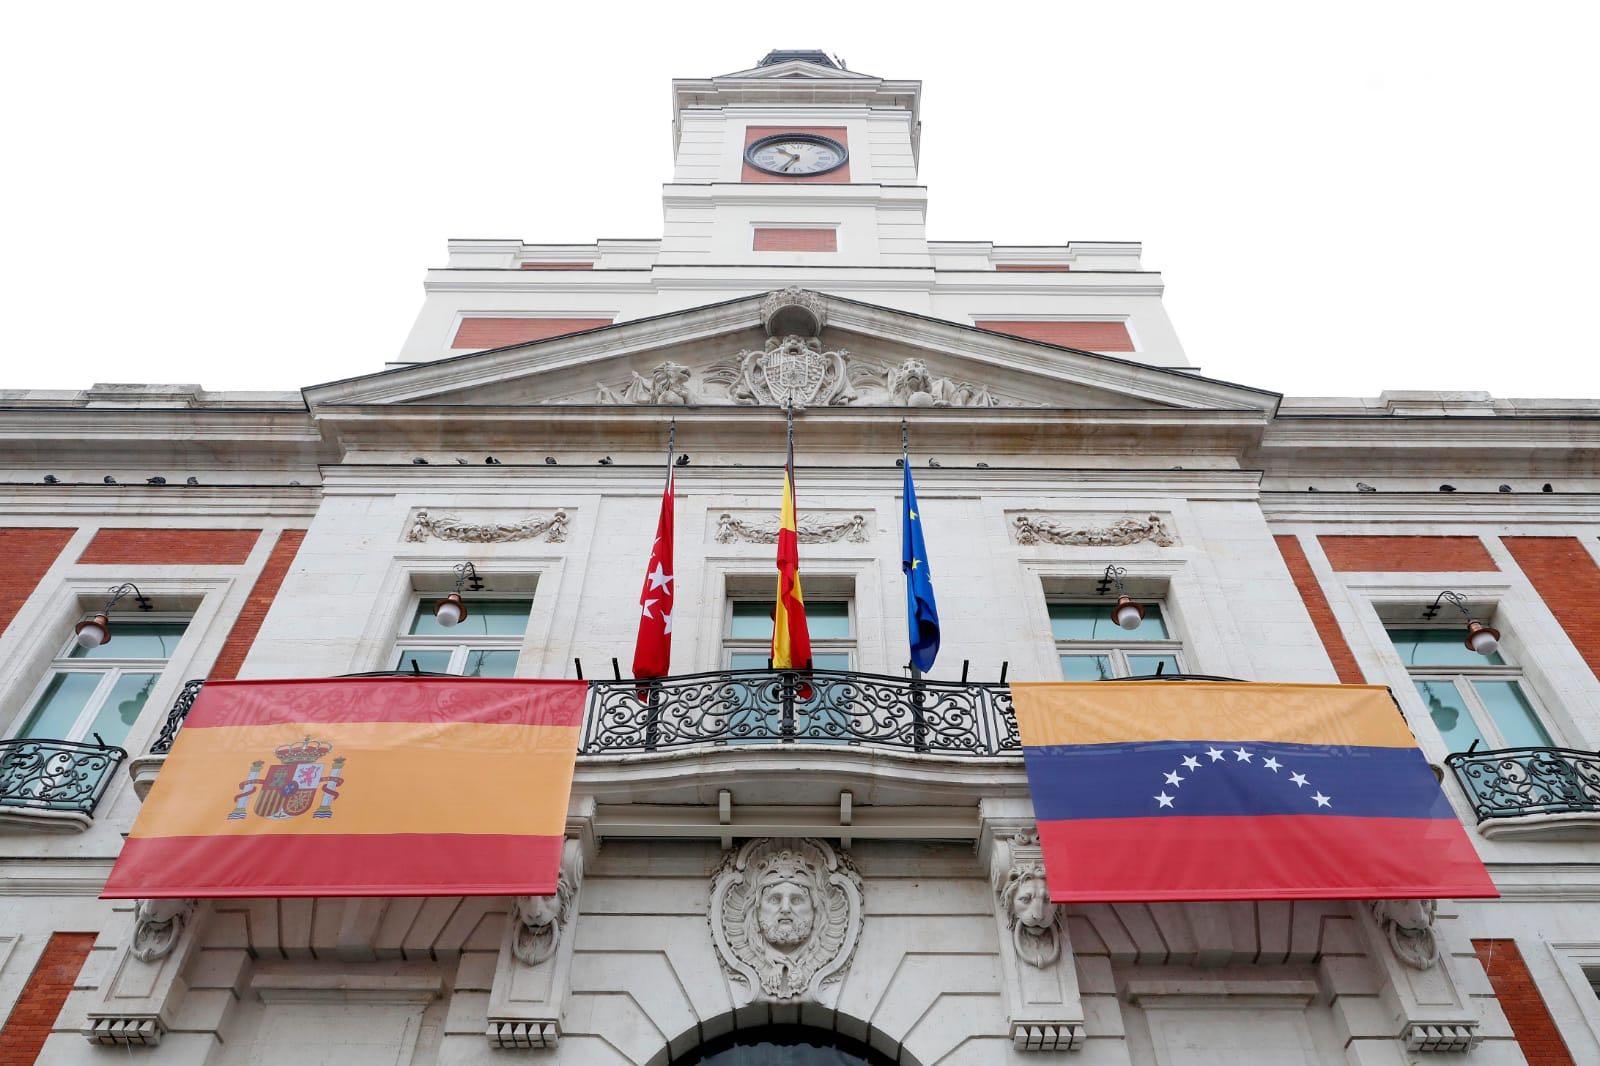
(732, 645)
(458, 647)
(1463, 676)
(1116, 650)
(112, 670)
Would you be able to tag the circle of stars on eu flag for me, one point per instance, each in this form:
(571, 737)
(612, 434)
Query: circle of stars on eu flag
(1193, 763)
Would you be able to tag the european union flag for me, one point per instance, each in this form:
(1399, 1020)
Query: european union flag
(922, 614)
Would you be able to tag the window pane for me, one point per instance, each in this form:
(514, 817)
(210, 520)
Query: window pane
(1092, 621)
(485, 618)
(1086, 667)
(490, 664)
(63, 700)
(1439, 647)
(748, 660)
(121, 710)
(1450, 715)
(1145, 665)
(752, 620)
(826, 619)
(134, 640)
(437, 662)
(830, 660)
(1512, 713)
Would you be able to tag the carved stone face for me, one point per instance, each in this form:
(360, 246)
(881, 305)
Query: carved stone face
(914, 373)
(539, 911)
(1030, 904)
(786, 914)
(1409, 914)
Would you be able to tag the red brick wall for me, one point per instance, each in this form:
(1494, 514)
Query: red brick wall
(1525, 1009)
(28, 553)
(557, 266)
(1344, 662)
(752, 134)
(1406, 555)
(30, 1021)
(1090, 336)
(265, 590)
(1051, 268)
(796, 240)
(492, 332)
(1566, 578)
(216, 547)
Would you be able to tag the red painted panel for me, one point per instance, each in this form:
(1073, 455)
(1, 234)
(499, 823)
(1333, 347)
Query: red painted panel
(1090, 336)
(28, 553)
(1566, 578)
(494, 332)
(1344, 661)
(265, 590)
(33, 1017)
(796, 240)
(1040, 268)
(1406, 555)
(557, 266)
(214, 547)
(1525, 1008)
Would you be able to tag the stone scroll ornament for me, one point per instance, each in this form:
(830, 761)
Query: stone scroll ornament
(1037, 529)
(812, 529)
(786, 916)
(426, 526)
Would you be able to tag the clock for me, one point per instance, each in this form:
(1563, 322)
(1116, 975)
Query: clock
(796, 154)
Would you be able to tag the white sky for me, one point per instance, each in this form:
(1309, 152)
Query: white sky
(1343, 198)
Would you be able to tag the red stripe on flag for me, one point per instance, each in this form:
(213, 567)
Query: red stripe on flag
(377, 864)
(486, 701)
(1181, 859)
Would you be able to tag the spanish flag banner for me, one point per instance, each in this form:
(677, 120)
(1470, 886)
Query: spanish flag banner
(376, 786)
(791, 639)
(1196, 790)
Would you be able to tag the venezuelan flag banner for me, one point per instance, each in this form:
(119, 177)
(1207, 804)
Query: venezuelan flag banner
(1192, 790)
(374, 786)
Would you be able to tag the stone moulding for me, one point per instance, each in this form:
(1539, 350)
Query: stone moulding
(427, 526)
(1043, 529)
(813, 529)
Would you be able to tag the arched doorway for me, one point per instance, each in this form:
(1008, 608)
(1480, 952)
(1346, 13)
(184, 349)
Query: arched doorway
(783, 1045)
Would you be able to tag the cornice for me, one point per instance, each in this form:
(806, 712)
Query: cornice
(286, 501)
(1430, 508)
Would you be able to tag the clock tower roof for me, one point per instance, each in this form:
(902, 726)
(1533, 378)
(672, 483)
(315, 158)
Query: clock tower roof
(805, 55)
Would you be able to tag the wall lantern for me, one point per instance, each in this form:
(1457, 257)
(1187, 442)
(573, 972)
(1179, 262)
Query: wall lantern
(93, 632)
(1485, 640)
(1127, 612)
(451, 611)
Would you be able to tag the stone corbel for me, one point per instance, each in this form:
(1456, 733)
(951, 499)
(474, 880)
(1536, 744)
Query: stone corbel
(145, 985)
(1038, 971)
(1419, 994)
(530, 977)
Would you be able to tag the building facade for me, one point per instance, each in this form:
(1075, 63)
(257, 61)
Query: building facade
(1056, 427)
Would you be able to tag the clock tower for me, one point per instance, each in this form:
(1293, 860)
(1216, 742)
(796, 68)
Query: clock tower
(795, 162)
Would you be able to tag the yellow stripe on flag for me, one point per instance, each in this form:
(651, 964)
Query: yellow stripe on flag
(1124, 712)
(507, 779)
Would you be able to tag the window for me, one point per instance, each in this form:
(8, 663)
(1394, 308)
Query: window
(484, 644)
(1093, 647)
(99, 692)
(1471, 698)
(748, 645)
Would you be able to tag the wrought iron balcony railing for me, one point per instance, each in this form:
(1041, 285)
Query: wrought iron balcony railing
(1513, 782)
(56, 775)
(734, 707)
(175, 717)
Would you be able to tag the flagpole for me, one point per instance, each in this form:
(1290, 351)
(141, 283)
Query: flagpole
(672, 443)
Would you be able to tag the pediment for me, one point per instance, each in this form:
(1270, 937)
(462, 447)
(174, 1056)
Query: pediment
(795, 68)
(801, 347)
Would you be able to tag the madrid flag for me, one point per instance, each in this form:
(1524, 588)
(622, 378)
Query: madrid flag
(652, 651)
(374, 786)
(1195, 790)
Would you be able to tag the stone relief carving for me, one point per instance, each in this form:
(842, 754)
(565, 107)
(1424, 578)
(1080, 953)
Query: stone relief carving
(1032, 918)
(537, 921)
(812, 529)
(793, 310)
(1038, 529)
(157, 925)
(788, 370)
(912, 384)
(426, 526)
(785, 916)
(1408, 926)
(668, 383)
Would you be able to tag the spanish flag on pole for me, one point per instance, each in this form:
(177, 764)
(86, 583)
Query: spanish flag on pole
(791, 640)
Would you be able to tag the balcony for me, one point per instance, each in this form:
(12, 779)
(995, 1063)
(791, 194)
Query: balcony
(54, 785)
(1552, 793)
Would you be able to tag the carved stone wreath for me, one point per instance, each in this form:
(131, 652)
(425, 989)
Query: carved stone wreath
(812, 529)
(1037, 529)
(786, 916)
(426, 526)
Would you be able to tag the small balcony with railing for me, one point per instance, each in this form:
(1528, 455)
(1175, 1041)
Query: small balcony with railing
(1547, 792)
(54, 785)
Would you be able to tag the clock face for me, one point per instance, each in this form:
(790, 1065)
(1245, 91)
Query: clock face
(796, 154)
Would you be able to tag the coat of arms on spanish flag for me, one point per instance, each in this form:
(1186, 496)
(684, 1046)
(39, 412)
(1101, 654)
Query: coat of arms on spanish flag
(414, 786)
